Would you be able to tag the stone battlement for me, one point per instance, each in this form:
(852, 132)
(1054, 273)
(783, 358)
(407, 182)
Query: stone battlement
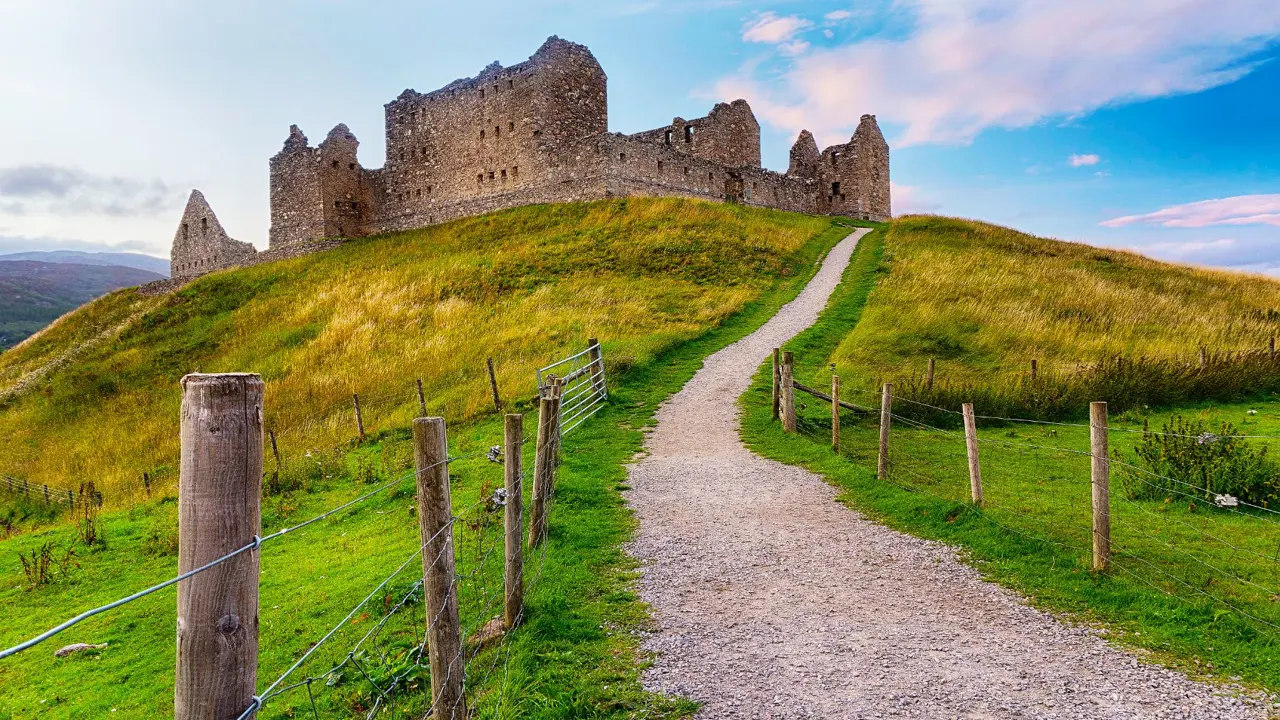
(537, 132)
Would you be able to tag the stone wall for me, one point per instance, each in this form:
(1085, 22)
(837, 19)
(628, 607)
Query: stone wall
(297, 207)
(728, 135)
(853, 178)
(200, 244)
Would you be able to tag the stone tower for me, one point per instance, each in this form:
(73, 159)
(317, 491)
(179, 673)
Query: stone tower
(200, 245)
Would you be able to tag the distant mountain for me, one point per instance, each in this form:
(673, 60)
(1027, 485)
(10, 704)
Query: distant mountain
(150, 263)
(34, 294)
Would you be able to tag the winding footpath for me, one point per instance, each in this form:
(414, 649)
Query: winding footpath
(772, 600)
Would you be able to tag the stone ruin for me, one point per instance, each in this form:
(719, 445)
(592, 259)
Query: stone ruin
(537, 132)
(200, 244)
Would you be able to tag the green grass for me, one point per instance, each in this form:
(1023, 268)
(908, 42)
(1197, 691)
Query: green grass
(576, 656)
(1034, 533)
(96, 395)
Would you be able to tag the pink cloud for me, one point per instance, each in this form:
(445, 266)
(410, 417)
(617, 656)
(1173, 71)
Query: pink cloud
(908, 200)
(1238, 210)
(969, 65)
(768, 28)
(1083, 160)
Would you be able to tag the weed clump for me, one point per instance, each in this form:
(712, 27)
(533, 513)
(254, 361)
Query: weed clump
(1187, 458)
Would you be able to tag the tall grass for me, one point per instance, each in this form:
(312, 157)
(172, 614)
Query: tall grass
(96, 396)
(1103, 324)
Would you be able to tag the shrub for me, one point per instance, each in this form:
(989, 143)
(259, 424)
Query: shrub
(1188, 459)
(44, 565)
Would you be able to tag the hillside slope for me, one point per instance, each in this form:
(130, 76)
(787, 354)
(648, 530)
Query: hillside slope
(985, 301)
(96, 396)
(35, 293)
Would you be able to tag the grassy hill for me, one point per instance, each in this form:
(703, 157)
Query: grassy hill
(35, 293)
(662, 282)
(96, 396)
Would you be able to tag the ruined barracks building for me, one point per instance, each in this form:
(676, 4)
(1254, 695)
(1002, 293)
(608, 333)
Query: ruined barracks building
(536, 132)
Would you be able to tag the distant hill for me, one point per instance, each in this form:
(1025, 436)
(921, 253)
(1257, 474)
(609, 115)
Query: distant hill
(150, 263)
(34, 294)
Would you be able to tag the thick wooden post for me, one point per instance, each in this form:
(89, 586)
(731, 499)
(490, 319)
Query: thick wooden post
(544, 467)
(1035, 367)
(777, 382)
(971, 449)
(1101, 486)
(493, 386)
(219, 512)
(435, 523)
(835, 413)
(422, 400)
(928, 378)
(787, 392)
(355, 399)
(513, 519)
(597, 361)
(886, 411)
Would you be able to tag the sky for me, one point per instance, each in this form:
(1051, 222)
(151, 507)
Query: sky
(1150, 125)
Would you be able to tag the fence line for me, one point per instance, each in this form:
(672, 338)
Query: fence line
(932, 472)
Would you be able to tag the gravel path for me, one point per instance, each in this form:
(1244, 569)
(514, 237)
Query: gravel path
(774, 601)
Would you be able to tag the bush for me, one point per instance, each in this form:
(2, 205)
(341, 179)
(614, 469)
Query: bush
(1188, 459)
(44, 565)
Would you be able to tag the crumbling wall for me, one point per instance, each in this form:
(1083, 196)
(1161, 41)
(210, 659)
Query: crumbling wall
(200, 244)
(728, 135)
(297, 205)
(853, 178)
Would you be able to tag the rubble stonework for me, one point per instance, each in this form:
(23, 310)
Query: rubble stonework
(537, 132)
(200, 244)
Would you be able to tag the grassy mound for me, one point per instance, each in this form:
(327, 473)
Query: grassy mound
(985, 301)
(95, 397)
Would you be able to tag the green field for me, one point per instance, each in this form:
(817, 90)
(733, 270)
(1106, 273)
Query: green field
(1193, 584)
(577, 654)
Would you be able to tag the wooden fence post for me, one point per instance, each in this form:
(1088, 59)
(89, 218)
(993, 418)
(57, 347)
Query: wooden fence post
(1101, 471)
(544, 467)
(275, 450)
(777, 382)
(1203, 358)
(146, 483)
(787, 392)
(1271, 348)
(219, 511)
(928, 378)
(493, 386)
(355, 399)
(886, 411)
(513, 519)
(597, 360)
(435, 523)
(1035, 368)
(835, 413)
(971, 449)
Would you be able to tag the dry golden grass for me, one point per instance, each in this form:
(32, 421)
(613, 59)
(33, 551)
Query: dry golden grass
(525, 286)
(985, 300)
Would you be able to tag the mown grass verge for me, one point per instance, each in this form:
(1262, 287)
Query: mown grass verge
(1033, 536)
(575, 657)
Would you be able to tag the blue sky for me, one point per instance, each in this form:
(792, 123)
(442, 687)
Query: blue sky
(1145, 124)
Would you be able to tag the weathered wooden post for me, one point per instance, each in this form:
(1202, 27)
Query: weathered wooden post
(835, 413)
(275, 450)
(46, 495)
(596, 356)
(1271, 348)
(1101, 470)
(928, 378)
(422, 400)
(787, 390)
(355, 399)
(1034, 368)
(1203, 358)
(544, 466)
(971, 449)
(886, 412)
(777, 382)
(493, 385)
(146, 483)
(435, 523)
(513, 518)
(219, 512)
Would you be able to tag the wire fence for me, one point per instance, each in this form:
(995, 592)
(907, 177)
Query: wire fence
(1222, 560)
(375, 660)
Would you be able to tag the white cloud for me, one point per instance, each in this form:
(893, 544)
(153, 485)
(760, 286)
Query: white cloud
(1238, 210)
(793, 48)
(837, 15)
(1084, 160)
(907, 200)
(768, 28)
(968, 65)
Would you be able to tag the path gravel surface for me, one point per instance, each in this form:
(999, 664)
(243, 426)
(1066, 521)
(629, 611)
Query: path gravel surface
(771, 600)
